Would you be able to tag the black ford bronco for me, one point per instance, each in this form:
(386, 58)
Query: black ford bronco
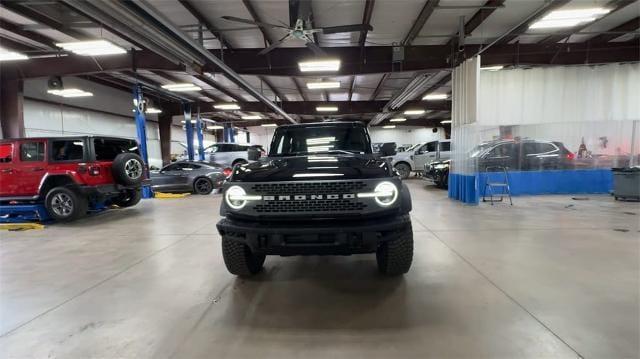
(320, 191)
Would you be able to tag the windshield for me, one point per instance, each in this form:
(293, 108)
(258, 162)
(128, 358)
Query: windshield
(412, 147)
(292, 141)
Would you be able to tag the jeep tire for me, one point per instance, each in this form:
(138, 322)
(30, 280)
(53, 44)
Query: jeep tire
(239, 259)
(64, 204)
(128, 169)
(394, 257)
(128, 198)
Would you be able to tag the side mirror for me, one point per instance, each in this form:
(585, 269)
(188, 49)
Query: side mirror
(253, 154)
(388, 149)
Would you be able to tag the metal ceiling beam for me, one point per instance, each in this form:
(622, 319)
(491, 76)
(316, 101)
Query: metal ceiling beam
(629, 26)
(378, 88)
(28, 12)
(345, 107)
(303, 95)
(366, 20)
(46, 42)
(229, 72)
(428, 9)
(352, 87)
(187, 4)
(213, 83)
(273, 89)
(614, 6)
(478, 18)
(285, 60)
(255, 17)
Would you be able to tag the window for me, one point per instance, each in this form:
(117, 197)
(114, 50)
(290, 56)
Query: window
(445, 146)
(6, 152)
(108, 148)
(32, 152)
(431, 147)
(504, 150)
(67, 150)
(544, 147)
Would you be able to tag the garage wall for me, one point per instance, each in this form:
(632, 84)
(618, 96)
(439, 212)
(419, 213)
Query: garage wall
(48, 115)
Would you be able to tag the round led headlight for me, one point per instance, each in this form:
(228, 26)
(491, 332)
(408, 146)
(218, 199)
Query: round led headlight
(235, 197)
(386, 193)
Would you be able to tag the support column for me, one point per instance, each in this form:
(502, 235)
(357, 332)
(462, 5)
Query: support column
(188, 126)
(164, 125)
(11, 108)
(200, 137)
(141, 129)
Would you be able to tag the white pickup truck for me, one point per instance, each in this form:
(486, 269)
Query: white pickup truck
(417, 156)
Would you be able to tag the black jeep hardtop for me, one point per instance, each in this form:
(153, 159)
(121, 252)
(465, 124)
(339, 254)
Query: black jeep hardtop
(320, 191)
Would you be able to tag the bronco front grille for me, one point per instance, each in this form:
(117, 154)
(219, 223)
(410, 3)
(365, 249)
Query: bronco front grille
(338, 205)
(309, 204)
(336, 187)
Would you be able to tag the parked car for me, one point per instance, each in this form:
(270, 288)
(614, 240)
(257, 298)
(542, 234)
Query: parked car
(438, 173)
(522, 155)
(416, 157)
(189, 176)
(227, 154)
(70, 174)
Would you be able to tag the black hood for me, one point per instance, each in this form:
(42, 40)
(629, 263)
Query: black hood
(310, 168)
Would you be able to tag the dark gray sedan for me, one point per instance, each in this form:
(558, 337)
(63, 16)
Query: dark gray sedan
(188, 176)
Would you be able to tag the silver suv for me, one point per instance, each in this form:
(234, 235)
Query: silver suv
(229, 154)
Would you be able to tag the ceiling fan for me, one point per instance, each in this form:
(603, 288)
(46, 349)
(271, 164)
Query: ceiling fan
(301, 27)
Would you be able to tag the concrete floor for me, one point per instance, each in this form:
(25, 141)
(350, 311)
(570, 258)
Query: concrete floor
(548, 277)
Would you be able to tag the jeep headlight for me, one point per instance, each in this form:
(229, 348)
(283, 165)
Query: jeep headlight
(237, 198)
(385, 194)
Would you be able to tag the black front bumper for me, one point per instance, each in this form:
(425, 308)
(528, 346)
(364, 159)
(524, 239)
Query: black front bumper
(315, 238)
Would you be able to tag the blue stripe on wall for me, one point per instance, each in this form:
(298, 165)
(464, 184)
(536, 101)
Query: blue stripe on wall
(552, 181)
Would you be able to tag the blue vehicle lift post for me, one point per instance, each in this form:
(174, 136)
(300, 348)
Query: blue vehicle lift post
(141, 129)
(188, 126)
(227, 133)
(200, 136)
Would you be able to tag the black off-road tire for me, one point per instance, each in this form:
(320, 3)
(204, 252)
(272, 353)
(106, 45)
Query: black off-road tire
(199, 186)
(404, 170)
(129, 198)
(395, 257)
(77, 202)
(128, 169)
(239, 259)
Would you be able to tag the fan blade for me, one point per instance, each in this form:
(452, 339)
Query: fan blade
(274, 45)
(346, 28)
(315, 48)
(257, 23)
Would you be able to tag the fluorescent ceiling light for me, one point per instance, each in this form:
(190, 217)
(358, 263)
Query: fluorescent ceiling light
(323, 85)
(153, 110)
(215, 127)
(414, 112)
(6, 55)
(492, 68)
(269, 125)
(192, 121)
(431, 97)
(183, 87)
(252, 117)
(568, 18)
(207, 120)
(445, 121)
(70, 93)
(227, 106)
(327, 108)
(92, 48)
(389, 126)
(399, 119)
(319, 65)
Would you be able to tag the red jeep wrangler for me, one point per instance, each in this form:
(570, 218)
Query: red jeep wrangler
(70, 174)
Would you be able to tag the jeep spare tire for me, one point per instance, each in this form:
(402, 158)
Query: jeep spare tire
(128, 169)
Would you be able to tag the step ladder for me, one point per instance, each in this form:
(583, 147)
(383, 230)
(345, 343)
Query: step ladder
(492, 185)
